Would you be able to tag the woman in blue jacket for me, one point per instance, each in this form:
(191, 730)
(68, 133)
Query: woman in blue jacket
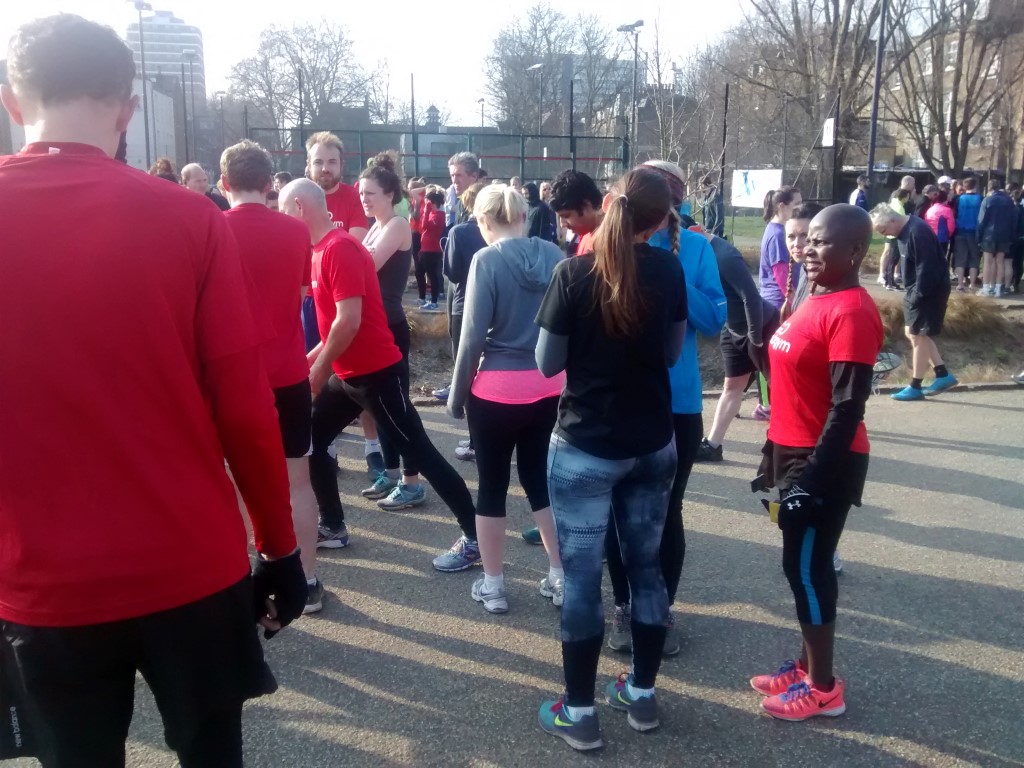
(706, 313)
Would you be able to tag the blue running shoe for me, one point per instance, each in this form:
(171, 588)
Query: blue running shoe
(641, 713)
(381, 487)
(582, 734)
(404, 497)
(940, 385)
(908, 394)
(465, 553)
(442, 395)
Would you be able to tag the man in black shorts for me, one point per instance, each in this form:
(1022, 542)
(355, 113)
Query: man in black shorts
(277, 255)
(926, 279)
(145, 359)
(750, 322)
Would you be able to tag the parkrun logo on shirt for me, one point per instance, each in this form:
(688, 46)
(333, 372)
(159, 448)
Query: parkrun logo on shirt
(778, 344)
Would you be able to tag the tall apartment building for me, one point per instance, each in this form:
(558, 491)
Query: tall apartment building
(169, 41)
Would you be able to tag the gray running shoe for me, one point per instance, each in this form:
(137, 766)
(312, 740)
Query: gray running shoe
(621, 638)
(672, 643)
(641, 713)
(582, 734)
(493, 602)
(555, 591)
(465, 553)
(328, 539)
(381, 487)
(314, 598)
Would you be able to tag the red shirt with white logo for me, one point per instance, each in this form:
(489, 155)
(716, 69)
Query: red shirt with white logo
(275, 251)
(346, 208)
(344, 269)
(830, 328)
(129, 369)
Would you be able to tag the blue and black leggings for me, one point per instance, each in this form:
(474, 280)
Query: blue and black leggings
(807, 550)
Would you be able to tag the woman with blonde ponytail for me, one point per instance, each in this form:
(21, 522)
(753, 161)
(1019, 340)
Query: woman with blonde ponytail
(614, 321)
(705, 313)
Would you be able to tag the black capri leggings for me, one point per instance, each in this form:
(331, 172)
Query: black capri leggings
(807, 550)
(428, 265)
(500, 428)
(689, 429)
(387, 447)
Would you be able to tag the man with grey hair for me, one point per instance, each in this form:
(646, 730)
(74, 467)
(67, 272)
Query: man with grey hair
(464, 168)
(195, 178)
(355, 367)
(926, 279)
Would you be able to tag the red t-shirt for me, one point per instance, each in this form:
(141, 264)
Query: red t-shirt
(343, 269)
(275, 251)
(831, 328)
(128, 361)
(346, 208)
(586, 244)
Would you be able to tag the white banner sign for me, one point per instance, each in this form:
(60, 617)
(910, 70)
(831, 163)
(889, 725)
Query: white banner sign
(828, 133)
(750, 187)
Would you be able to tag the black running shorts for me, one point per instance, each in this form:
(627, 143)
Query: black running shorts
(295, 415)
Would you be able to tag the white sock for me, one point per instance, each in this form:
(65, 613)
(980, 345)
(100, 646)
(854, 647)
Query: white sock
(371, 446)
(311, 582)
(638, 693)
(555, 574)
(494, 583)
(576, 713)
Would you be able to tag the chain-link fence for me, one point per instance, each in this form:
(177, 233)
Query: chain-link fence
(530, 157)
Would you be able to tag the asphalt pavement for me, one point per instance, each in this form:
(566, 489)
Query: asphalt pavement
(402, 668)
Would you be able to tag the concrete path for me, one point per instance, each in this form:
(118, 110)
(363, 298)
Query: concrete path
(402, 668)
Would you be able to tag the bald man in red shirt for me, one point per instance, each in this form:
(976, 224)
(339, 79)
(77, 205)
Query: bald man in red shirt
(144, 357)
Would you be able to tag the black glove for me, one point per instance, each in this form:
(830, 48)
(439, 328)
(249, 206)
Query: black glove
(796, 508)
(284, 581)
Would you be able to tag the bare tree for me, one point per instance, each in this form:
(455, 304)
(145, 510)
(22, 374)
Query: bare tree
(321, 53)
(956, 74)
(535, 57)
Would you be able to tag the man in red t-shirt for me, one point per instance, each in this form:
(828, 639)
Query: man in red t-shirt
(325, 163)
(578, 203)
(143, 344)
(276, 253)
(356, 367)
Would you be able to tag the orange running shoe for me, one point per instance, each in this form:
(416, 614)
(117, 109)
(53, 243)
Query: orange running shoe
(790, 673)
(802, 702)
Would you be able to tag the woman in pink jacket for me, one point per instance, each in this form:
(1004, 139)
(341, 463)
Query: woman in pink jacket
(940, 218)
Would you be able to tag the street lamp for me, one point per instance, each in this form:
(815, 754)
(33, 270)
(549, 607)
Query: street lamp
(480, 101)
(539, 69)
(190, 56)
(635, 29)
(140, 7)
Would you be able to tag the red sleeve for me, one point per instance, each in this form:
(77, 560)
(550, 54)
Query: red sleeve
(340, 262)
(307, 266)
(950, 221)
(435, 223)
(854, 334)
(241, 402)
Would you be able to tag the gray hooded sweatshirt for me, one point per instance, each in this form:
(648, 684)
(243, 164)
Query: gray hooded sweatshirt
(506, 285)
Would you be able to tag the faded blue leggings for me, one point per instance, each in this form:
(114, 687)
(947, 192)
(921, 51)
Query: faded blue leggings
(586, 491)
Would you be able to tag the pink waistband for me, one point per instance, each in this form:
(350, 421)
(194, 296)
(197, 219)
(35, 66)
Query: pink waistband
(516, 387)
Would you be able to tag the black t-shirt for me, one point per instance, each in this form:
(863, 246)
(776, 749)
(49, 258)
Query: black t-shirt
(924, 266)
(617, 402)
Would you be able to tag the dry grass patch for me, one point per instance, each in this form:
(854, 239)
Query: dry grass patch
(967, 317)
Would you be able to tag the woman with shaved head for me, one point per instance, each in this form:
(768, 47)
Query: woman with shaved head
(817, 451)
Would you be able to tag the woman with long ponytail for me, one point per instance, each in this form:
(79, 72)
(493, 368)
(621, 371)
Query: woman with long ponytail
(706, 307)
(614, 321)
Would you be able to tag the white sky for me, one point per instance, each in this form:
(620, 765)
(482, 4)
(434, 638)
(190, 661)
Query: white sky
(416, 32)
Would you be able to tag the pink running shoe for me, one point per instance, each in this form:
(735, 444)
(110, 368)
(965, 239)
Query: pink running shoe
(790, 673)
(802, 702)
(760, 413)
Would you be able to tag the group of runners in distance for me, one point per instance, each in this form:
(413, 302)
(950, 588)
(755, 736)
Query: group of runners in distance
(218, 355)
